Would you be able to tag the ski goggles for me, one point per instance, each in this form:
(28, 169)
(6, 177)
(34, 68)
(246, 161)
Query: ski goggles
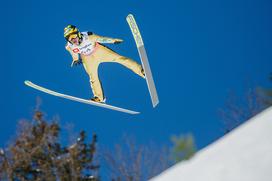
(72, 36)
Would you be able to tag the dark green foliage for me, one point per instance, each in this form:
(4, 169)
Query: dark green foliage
(183, 147)
(266, 96)
(36, 154)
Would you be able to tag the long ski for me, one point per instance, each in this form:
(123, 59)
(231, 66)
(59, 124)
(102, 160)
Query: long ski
(143, 56)
(65, 96)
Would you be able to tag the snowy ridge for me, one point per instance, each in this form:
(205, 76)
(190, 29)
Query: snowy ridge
(245, 154)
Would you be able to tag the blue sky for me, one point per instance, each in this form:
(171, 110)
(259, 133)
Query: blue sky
(198, 52)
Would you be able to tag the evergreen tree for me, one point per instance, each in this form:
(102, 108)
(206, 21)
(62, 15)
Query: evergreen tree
(37, 155)
(183, 147)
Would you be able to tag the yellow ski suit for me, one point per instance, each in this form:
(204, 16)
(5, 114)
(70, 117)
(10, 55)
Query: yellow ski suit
(93, 53)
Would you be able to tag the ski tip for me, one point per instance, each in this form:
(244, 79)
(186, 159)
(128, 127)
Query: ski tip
(27, 82)
(129, 17)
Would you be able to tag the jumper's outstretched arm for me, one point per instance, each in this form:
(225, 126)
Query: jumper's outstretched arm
(102, 39)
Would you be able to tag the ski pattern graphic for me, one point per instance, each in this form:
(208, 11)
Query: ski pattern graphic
(143, 56)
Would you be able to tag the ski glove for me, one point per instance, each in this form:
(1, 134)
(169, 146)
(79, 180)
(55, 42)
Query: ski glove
(117, 41)
(76, 62)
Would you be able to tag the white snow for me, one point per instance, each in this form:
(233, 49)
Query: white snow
(245, 154)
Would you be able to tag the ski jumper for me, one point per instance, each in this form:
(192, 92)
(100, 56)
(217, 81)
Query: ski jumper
(93, 53)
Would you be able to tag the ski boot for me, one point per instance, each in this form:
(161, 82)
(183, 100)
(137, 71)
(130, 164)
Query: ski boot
(143, 72)
(97, 99)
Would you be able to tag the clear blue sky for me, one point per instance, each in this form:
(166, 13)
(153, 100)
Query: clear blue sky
(198, 51)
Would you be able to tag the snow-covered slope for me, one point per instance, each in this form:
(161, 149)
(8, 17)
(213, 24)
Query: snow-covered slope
(245, 154)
